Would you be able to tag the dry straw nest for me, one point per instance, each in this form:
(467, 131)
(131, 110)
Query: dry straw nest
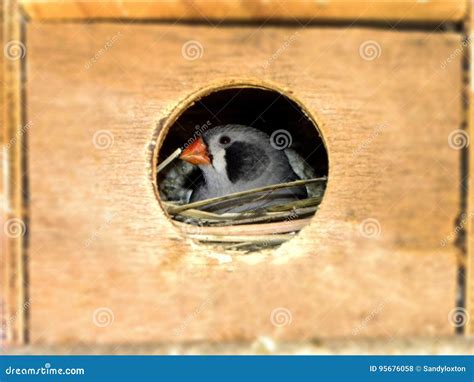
(246, 231)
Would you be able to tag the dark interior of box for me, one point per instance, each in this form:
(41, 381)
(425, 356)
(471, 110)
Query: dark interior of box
(263, 109)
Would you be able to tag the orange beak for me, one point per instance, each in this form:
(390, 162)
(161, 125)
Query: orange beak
(196, 153)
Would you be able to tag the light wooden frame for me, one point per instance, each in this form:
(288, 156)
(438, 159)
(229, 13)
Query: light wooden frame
(16, 13)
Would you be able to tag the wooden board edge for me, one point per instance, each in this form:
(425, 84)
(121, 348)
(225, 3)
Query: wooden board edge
(2, 191)
(438, 11)
(14, 256)
(468, 315)
(13, 208)
(444, 345)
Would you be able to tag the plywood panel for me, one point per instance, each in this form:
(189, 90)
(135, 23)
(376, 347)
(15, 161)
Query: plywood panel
(219, 10)
(101, 246)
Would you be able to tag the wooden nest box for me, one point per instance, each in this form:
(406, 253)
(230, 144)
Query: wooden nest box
(91, 253)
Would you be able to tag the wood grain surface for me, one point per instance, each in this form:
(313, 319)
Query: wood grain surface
(400, 11)
(106, 265)
(13, 192)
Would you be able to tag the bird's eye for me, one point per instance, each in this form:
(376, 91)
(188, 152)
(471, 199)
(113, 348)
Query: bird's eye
(224, 140)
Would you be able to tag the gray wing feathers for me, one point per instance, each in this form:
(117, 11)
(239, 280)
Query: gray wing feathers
(304, 171)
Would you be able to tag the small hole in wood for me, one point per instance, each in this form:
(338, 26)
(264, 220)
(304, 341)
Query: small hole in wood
(241, 167)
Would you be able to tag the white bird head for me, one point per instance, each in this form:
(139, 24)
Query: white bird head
(234, 158)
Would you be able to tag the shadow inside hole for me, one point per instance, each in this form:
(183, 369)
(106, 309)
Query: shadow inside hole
(263, 109)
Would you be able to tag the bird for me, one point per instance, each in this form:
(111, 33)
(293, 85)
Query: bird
(235, 158)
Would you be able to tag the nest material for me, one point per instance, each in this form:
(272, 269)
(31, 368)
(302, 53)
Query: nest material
(245, 231)
(248, 231)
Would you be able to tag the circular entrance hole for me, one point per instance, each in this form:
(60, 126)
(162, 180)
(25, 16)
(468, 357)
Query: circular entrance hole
(241, 167)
